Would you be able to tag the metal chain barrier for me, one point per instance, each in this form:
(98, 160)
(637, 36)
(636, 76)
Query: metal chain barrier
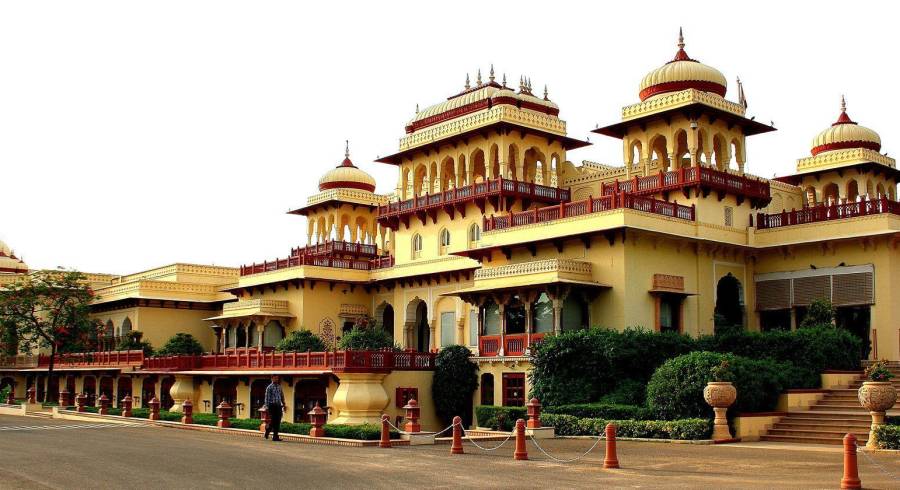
(466, 435)
(876, 463)
(401, 431)
(600, 438)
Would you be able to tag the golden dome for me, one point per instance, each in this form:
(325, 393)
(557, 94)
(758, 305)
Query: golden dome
(347, 176)
(9, 262)
(845, 134)
(682, 73)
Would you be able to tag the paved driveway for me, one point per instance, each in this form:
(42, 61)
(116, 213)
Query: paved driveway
(40, 453)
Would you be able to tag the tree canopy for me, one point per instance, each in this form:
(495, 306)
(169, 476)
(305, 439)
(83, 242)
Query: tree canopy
(180, 344)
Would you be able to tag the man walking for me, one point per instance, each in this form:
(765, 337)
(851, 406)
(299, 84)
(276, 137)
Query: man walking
(275, 407)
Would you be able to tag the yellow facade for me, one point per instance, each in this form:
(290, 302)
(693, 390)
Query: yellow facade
(488, 215)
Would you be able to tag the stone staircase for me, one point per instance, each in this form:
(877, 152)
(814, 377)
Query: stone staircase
(831, 418)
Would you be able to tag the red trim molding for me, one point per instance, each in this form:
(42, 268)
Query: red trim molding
(845, 145)
(347, 185)
(665, 87)
(14, 271)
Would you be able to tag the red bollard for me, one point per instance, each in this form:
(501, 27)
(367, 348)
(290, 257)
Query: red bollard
(126, 406)
(31, 395)
(104, 404)
(457, 447)
(412, 416)
(264, 415)
(851, 470)
(154, 409)
(224, 411)
(612, 459)
(317, 419)
(534, 414)
(188, 412)
(521, 453)
(385, 432)
(64, 398)
(80, 402)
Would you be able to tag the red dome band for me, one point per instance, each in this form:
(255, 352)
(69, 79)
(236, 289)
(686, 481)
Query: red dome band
(666, 87)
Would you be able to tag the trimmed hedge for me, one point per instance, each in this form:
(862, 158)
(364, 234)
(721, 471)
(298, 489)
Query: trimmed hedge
(499, 418)
(602, 411)
(676, 389)
(685, 429)
(888, 436)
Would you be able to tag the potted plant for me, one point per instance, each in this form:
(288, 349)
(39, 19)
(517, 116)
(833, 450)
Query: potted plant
(720, 394)
(877, 395)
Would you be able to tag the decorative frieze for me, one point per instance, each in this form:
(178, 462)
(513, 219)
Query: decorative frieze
(536, 267)
(679, 99)
(669, 282)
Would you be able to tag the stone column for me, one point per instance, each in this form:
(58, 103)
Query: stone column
(502, 309)
(360, 398)
(432, 329)
(260, 330)
(557, 316)
(182, 389)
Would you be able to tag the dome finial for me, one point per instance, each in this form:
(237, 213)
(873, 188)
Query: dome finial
(545, 92)
(478, 79)
(346, 148)
(843, 103)
(844, 118)
(468, 86)
(504, 80)
(680, 38)
(491, 76)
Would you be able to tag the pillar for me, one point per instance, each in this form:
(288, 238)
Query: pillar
(182, 389)
(432, 330)
(557, 316)
(360, 398)
(502, 309)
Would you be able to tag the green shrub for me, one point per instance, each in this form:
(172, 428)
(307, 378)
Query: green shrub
(820, 313)
(365, 338)
(676, 389)
(499, 418)
(181, 344)
(4, 393)
(365, 432)
(688, 429)
(627, 392)
(583, 366)
(888, 436)
(133, 341)
(455, 379)
(601, 411)
(301, 341)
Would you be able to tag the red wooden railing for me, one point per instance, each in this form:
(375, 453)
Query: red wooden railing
(338, 361)
(514, 344)
(495, 187)
(112, 358)
(588, 206)
(337, 247)
(824, 212)
(751, 187)
(321, 261)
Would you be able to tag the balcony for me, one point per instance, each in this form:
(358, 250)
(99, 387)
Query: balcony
(757, 190)
(588, 206)
(823, 212)
(128, 358)
(336, 247)
(339, 361)
(518, 344)
(455, 200)
(319, 261)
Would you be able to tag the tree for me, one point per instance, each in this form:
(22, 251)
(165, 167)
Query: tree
(364, 338)
(301, 341)
(49, 310)
(181, 344)
(133, 341)
(455, 379)
(819, 314)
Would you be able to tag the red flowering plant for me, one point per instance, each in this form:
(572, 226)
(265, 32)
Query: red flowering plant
(878, 371)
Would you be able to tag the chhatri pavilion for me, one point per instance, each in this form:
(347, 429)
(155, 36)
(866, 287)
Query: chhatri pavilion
(493, 239)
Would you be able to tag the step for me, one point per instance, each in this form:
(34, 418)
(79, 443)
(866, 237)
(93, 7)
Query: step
(803, 440)
(826, 420)
(823, 424)
(818, 433)
(833, 414)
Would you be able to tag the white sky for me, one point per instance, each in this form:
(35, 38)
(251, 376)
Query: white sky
(137, 134)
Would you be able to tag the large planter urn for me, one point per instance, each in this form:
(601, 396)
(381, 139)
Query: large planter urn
(720, 395)
(877, 397)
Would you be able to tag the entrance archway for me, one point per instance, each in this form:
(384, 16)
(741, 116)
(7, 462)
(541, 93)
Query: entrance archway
(384, 316)
(257, 396)
(308, 392)
(124, 388)
(729, 312)
(11, 383)
(148, 391)
(224, 389)
(106, 388)
(89, 388)
(165, 397)
(423, 332)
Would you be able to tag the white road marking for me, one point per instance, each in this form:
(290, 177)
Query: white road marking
(72, 426)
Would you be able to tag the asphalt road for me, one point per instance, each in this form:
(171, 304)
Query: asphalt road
(43, 453)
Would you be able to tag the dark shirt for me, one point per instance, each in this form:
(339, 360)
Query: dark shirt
(274, 395)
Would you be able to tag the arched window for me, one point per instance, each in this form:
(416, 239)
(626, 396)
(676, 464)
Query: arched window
(126, 326)
(474, 234)
(416, 246)
(542, 313)
(444, 241)
(491, 318)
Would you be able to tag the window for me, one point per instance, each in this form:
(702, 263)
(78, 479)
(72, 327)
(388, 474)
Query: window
(729, 216)
(515, 316)
(491, 318)
(770, 320)
(542, 313)
(574, 313)
(473, 327)
(416, 246)
(445, 241)
(669, 313)
(448, 328)
(513, 389)
(487, 389)
(474, 234)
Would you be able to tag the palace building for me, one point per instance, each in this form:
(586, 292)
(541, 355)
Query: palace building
(493, 239)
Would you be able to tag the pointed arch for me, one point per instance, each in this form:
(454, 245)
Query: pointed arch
(476, 161)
